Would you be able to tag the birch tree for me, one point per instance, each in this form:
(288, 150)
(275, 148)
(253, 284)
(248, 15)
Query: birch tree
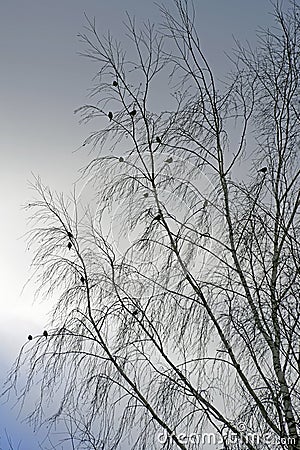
(176, 290)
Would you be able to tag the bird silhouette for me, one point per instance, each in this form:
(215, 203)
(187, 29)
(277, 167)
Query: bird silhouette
(135, 312)
(45, 333)
(158, 217)
(263, 170)
(110, 115)
(70, 235)
(115, 83)
(169, 160)
(121, 159)
(69, 245)
(132, 113)
(158, 139)
(82, 279)
(29, 337)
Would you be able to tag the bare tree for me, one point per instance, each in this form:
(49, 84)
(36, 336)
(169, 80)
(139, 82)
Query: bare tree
(176, 291)
(9, 442)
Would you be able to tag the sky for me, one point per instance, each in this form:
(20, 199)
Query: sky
(43, 79)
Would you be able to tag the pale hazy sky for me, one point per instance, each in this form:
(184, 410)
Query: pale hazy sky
(42, 81)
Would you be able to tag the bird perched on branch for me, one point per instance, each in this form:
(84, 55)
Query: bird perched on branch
(169, 160)
(29, 337)
(115, 83)
(70, 235)
(158, 217)
(69, 245)
(121, 159)
(158, 139)
(263, 170)
(110, 115)
(45, 333)
(82, 279)
(132, 113)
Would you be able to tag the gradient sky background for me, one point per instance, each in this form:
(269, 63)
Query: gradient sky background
(43, 80)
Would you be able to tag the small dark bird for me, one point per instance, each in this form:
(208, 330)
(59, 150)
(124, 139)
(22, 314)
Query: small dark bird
(158, 217)
(133, 113)
(29, 337)
(115, 83)
(121, 159)
(70, 235)
(263, 170)
(135, 312)
(82, 279)
(169, 160)
(45, 333)
(146, 195)
(110, 115)
(158, 139)
(69, 245)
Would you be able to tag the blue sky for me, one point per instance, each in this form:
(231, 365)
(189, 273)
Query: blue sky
(43, 80)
